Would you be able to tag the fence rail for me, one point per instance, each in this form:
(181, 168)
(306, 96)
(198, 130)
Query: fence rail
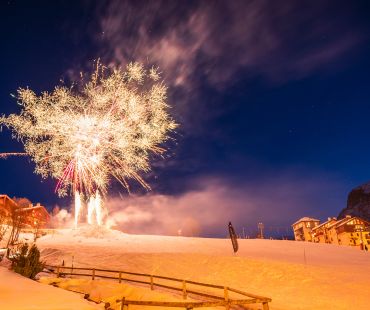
(154, 281)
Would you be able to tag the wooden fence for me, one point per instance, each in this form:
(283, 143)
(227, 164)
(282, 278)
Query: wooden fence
(230, 296)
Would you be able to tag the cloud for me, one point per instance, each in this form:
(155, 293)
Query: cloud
(206, 209)
(213, 41)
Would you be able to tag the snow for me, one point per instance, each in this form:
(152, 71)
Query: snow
(20, 293)
(306, 219)
(109, 291)
(296, 275)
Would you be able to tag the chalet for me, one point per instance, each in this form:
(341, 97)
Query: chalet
(320, 232)
(32, 216)
(7, 205)
(352, 231)
(35, 216)
(303, 227)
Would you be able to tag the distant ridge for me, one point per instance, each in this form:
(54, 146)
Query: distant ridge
(358, 202)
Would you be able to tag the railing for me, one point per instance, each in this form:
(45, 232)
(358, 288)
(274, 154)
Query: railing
(185, 287)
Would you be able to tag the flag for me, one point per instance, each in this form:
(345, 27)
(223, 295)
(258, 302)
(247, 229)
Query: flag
(233, 238)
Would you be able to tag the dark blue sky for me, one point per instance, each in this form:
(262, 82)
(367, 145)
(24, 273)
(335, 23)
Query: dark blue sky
(272, 97)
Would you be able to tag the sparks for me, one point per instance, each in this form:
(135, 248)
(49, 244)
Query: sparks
(85, 138)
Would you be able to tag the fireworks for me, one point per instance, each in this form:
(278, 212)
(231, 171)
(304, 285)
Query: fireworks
(106, 130)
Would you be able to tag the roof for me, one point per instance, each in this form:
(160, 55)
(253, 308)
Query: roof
(346, 220)
(339, 222)
(323, 224)
(41, 208)
(306, 219)
(11, 201)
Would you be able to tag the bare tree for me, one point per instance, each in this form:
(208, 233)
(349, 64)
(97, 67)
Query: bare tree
(17, 221)
(22, 202)
(3, 224)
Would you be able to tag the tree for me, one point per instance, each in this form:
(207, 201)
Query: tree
(17, 221)
(27, 261)
(3, 224)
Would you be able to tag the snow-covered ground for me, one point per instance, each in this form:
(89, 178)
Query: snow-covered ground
(20, 293)
(296, 275)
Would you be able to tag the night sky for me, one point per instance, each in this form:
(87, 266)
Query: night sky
(272, 98)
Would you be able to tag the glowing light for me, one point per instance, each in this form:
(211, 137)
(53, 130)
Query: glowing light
(98, 209)
(78, 206)
(90, 210)
(95, 207)
(105, 130)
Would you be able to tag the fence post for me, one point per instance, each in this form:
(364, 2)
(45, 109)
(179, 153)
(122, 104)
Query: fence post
(58, 272)
(226, 296)
(184, 293)
(93, 274)
(120, 277)
(122, 303)
(151, 282)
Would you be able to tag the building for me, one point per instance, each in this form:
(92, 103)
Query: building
(33, 216)
(352, 231)
(7, 205)
(303, 227)
(320, 232)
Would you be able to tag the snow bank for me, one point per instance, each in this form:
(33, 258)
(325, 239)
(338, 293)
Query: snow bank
(20, 293)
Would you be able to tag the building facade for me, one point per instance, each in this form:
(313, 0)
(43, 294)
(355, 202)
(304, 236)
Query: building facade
(320, 232)
(303, 227)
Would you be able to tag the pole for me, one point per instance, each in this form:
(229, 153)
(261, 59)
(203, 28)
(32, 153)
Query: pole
(184, 293)
(226, 296)
(122, 303)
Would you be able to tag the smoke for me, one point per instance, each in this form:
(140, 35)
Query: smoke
(216, 39)
(61, 218)
(206, 210)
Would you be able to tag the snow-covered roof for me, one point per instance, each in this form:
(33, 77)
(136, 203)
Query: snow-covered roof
(323, 224)
(346, 220)
(306, 219)
(337, 223)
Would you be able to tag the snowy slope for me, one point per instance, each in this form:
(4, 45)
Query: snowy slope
(296, 275)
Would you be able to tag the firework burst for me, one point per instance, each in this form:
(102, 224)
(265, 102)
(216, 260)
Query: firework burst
(106, 130)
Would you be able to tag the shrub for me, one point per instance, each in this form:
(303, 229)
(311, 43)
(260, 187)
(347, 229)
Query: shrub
(27, 261)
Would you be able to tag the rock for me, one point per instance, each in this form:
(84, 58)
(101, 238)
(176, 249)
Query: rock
(358, 203)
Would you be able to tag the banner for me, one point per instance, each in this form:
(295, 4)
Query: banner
(233, 237)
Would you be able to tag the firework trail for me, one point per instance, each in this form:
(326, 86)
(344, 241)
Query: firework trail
(6, 155)
(106, 130)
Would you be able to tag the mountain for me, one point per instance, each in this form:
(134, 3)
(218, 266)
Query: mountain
(358, 203)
